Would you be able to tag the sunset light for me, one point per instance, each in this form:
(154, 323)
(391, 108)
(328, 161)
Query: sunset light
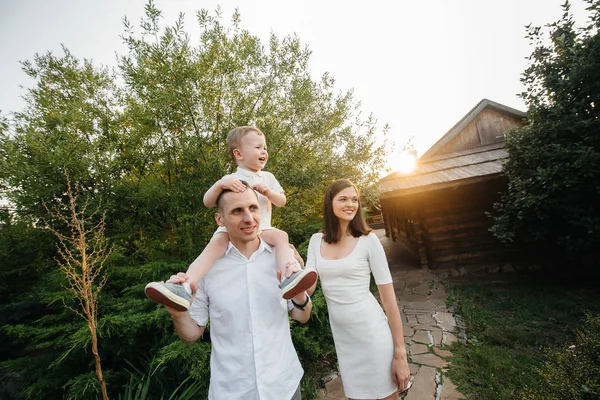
(407, 162)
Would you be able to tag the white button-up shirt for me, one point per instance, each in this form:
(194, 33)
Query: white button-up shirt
(252, 352)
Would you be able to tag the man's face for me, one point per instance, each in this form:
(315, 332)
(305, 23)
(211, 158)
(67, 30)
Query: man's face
(240, 215)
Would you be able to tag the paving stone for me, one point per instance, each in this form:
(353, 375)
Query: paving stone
(421, 337)
(411, 320)
(403, 317)
(445, 320)
(437, 336)
(414, 368)
(423, 305)
(412, 283)
(399, 284)
(408, 331)
(449, 390)
(415, 311)
(334, 390)
(442, 353)
(425, 319)
(410, 297)
(423, 387)
(448, 338)
(429, 359)
(425, 327)
(418, 348)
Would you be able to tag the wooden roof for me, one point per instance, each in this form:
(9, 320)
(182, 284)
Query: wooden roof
(448, 163)
(467, 119)
(450, 169)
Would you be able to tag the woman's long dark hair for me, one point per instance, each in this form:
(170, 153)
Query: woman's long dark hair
(331, 226)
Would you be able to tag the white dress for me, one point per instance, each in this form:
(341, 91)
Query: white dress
(362, 335)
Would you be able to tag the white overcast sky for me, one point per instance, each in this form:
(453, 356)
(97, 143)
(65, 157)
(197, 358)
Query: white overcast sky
(418, 65)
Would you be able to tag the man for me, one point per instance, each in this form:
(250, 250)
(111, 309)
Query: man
(252, 353)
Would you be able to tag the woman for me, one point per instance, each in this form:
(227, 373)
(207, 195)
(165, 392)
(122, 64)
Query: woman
(369, 345)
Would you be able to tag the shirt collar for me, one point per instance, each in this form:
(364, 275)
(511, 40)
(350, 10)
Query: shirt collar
(245, 172)
(261, 247)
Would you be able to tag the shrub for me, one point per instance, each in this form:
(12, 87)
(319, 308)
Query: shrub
(572, 372)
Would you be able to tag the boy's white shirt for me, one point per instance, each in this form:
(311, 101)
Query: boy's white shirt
(255, 178)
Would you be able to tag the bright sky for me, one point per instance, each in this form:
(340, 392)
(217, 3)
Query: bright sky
(418, 65)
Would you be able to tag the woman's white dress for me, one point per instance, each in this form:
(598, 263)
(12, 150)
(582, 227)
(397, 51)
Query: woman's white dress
(362, 336)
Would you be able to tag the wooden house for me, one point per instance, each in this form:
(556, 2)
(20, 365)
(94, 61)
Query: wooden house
(439, 211)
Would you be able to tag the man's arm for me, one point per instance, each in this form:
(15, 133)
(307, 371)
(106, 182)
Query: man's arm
(303, 306)
(299, 315)
(187, 329)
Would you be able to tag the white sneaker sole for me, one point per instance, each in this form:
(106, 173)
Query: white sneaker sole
(306, 278)
(161, 295)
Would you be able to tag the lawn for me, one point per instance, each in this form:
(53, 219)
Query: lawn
(512, 321)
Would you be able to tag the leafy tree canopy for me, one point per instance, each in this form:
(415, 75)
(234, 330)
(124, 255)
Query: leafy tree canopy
(554, 161)
(144, 141)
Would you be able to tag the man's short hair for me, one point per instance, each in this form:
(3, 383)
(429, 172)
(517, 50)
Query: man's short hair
(235, 136)
(220, 197)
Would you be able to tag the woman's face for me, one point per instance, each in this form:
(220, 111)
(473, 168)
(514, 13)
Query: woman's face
(345, 204)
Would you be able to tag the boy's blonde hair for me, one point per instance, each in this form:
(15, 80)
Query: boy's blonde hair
(235, 136)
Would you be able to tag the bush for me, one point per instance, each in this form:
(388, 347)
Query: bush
(572, 372)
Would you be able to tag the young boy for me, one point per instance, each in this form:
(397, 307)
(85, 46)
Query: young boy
(247, 146)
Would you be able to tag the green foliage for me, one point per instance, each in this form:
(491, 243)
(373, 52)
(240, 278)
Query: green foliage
(553, 166)
(154, 382)
(573, 371)
(509, 324)
(145, 141)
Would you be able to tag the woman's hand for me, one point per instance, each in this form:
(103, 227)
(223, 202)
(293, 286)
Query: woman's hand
(400, 373)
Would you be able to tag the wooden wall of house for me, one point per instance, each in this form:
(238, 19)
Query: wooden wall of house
(448, 228)
(486, 128)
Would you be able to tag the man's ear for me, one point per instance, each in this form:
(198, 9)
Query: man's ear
(219, 219)
(237, 154)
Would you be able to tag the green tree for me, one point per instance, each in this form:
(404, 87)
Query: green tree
(553, 165)
(146, 141)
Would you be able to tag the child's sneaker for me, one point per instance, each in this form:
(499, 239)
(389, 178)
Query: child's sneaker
(174, 295)
(298, 282)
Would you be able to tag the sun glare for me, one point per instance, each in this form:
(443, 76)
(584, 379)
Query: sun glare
(407, 162)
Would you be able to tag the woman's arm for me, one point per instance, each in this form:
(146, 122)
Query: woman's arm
(400, 370)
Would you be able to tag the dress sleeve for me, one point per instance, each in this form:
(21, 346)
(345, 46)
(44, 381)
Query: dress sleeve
(378, 261)
(199, 307)
(313, 247)
(273, 183)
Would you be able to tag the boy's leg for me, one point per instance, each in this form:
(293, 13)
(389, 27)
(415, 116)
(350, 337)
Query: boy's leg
(215, 249)
(299, 281)
(179, 295)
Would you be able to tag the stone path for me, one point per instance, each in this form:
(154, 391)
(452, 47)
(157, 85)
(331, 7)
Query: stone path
(428, 327)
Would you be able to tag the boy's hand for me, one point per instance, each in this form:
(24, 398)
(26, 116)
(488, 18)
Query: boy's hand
(233, 184)
(262, 189)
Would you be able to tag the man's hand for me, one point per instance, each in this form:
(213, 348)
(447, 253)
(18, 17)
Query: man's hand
(233, 184)
(290, 268)
(181, 277)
